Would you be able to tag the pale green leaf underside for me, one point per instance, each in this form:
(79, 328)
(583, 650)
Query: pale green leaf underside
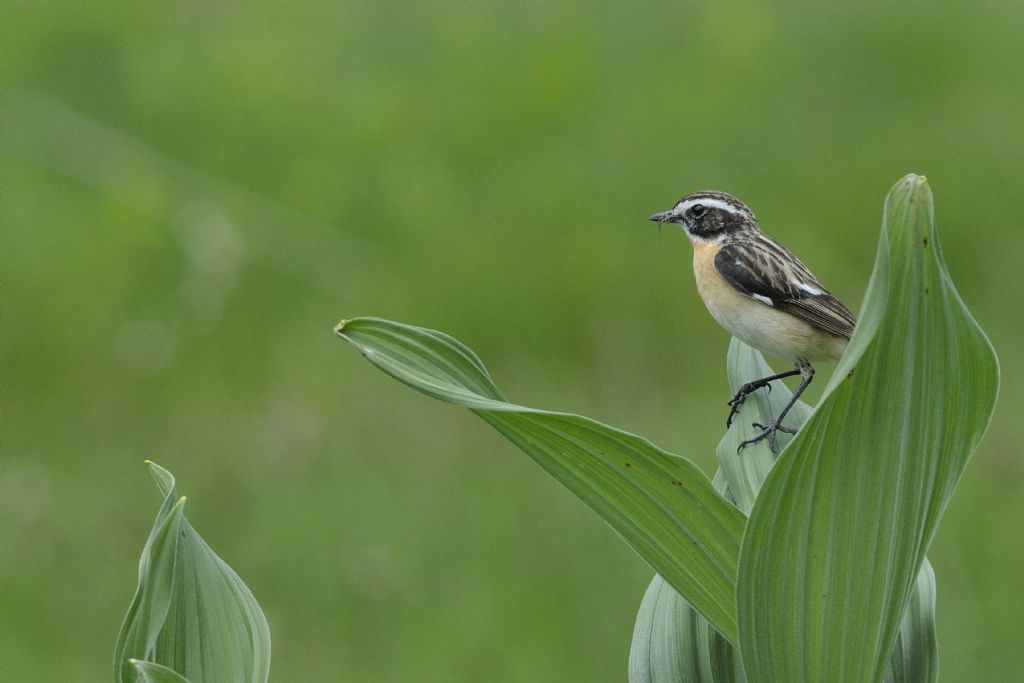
(191, 612)
(915, 657)
(838, 534)
(672, 643)
(745, 470)
(661, 504)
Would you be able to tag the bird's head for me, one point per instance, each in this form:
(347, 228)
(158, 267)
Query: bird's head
(708, 215)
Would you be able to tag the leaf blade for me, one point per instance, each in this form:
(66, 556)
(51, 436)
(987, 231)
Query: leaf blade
(661, 504)
(840, 529)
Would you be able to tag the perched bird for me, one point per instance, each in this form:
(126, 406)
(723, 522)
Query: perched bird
(761, 293)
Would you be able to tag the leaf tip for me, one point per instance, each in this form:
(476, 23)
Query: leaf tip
(912, 180)
(914, 185)
(339, 329)
(911, 193)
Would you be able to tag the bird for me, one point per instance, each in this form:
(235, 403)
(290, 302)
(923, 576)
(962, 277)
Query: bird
(761, 294)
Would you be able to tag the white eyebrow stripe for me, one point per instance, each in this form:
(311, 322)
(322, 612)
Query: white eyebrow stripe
(683, 207)
(813, 291)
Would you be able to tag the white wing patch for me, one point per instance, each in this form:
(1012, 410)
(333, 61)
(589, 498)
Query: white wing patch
(763, 299)
(813, 291)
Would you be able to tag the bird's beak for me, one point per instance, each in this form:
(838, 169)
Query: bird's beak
(661, 217)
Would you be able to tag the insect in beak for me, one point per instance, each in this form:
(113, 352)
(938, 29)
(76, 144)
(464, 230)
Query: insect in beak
(661, 218)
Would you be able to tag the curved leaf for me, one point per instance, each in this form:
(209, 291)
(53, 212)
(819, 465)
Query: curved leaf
(661, 504)
(915, 657)
(672, 643)
(839, 531)
(191, 611)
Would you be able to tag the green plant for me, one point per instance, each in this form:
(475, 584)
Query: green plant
(192, 618)
(811, 568)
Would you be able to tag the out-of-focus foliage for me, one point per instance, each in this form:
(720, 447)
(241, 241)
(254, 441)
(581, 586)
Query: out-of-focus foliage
(192, 193)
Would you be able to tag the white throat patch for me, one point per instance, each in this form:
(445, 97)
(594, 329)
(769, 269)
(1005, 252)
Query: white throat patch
(697, 239)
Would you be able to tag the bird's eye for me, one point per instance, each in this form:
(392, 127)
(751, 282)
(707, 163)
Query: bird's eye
(699, 210)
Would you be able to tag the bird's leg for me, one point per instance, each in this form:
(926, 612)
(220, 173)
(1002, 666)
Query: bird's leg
(768, 431)
(750, 387)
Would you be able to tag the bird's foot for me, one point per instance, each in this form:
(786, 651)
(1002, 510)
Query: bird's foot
(736, 401)
(769, 432)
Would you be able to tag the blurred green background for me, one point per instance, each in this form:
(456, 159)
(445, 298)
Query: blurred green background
(193, 195)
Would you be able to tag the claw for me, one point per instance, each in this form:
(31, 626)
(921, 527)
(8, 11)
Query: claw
(740, 398)
(733, 412)
(775, 428)
(769, 432)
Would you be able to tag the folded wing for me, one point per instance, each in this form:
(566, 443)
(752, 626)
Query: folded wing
(764, 270)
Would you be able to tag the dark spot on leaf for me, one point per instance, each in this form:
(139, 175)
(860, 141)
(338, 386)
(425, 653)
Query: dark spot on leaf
(629, 464)
(849, 374)
(926, 241)
(926, 291)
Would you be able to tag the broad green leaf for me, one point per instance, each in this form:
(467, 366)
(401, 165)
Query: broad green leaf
(191, 611)
(838, 534)
(671, 642)
(661, 504)
(156, 673)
